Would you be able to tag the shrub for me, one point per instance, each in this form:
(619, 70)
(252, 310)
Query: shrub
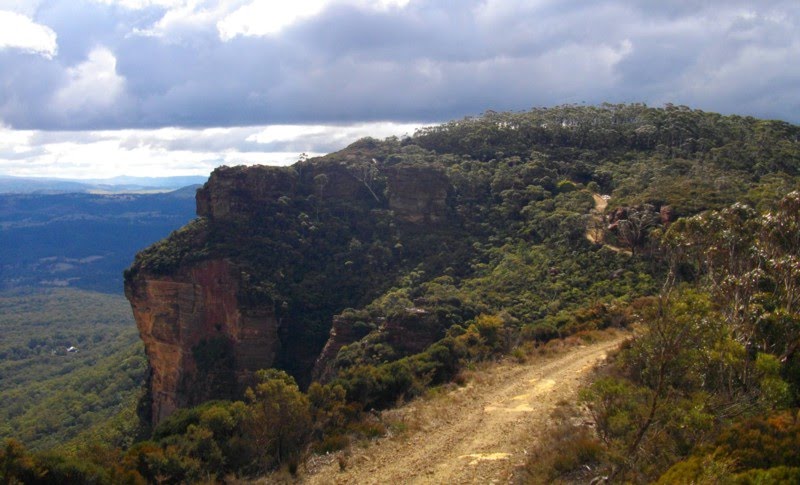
(279, 421)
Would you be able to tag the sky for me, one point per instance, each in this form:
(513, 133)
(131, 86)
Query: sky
(100, 88)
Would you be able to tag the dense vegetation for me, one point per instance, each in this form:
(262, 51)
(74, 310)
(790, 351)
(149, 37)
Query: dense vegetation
(82, 240)
(51, 396)
(711, 382)
(714, 361)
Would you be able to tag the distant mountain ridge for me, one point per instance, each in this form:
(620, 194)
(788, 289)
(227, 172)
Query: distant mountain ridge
(121, 184)
(80, 239)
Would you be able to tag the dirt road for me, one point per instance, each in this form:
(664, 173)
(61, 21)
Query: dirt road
(594, 233)
(600, 203)
(475, 434)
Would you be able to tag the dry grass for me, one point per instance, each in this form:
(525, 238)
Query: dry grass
(569, 453)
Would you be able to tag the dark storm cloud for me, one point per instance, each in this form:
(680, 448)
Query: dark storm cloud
(429, 61)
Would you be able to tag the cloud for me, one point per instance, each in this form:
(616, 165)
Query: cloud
(173, 151)
(20, 32)
(202, 63)
(92, 87)
(141, 4)
(261, 18)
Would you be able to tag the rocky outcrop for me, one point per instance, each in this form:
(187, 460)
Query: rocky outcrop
(667, 215)
(412, 330)
(200, 342)
(234, 190)
(406, 332)
(343, 332)
(418, 193)
(256, 281)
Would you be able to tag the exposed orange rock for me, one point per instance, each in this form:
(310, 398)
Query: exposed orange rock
(208, 315)
(177, 313)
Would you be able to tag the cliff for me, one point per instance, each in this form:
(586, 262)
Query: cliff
(418, 193)
(368, 255)
(200, 342)
(256, 281)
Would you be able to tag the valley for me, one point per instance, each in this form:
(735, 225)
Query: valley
(82, 240)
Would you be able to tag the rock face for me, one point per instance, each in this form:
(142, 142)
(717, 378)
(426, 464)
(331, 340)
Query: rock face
(258, 286)
(413, 330)
(667, 215)
(201, 344)
(342, 333)
(232, 191)
(418, 193)
(407, 332)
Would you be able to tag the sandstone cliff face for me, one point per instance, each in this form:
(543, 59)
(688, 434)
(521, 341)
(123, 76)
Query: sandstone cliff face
(232, 191)
(407, 332)
(342, 333)
(244, 294)
(418, 194)
(413, 330)
(195, 310)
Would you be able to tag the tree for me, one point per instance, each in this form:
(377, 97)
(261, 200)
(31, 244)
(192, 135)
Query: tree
(633, 231)
(280, 418)
(367, 173)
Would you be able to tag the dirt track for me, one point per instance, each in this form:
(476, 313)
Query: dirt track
(593, 233)
(475, 434)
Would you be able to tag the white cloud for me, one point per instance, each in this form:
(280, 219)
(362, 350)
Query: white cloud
(260, 18)
(93, 84)
(172, 151)
(185, 17)
(140, 4)
(215, 62)
(20, 32)
(342, 135)
(263, 18)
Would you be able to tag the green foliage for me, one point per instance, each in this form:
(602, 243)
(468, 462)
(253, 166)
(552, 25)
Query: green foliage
(696, 386)
(775, 391)
(49, 396)
(97, 465)
(760, 449)
(380, 386)
(778, 475)
(508, 261)
(166, 255)
(280, 419)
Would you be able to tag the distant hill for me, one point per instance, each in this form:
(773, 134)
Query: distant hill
(115, 185)
(83, 240)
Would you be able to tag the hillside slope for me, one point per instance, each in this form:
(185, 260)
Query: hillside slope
(363, 278)
(479, 433)
(50, 396)
(373, 253)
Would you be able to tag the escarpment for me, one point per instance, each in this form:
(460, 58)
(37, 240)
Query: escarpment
(276, 253)
(200, 341)
(408, 255)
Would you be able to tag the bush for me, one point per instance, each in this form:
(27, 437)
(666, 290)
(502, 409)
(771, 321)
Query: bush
(279, 420)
